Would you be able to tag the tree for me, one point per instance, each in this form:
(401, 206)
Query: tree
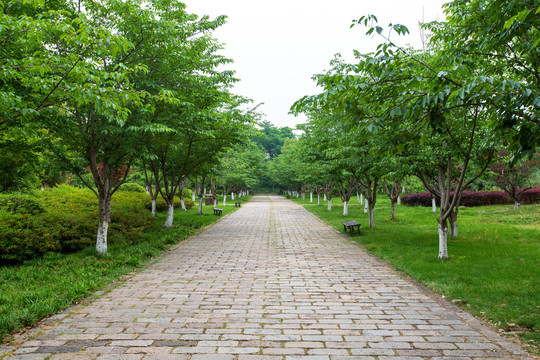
(499, 39)
(513, 180)
(271, 138)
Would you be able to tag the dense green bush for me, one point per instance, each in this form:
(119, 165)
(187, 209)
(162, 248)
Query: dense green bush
(70, 223)
(161, 205)
(20, 204)
(188, 203)
(187, 193)
(132, 187)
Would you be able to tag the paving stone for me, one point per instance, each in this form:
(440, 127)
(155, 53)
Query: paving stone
(267, 282)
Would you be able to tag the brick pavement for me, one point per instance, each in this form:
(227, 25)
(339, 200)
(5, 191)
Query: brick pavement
(268, 282)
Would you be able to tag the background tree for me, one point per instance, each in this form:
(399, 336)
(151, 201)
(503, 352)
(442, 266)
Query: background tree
(513, 180)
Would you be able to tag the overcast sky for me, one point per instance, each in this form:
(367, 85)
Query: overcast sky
(278, 45)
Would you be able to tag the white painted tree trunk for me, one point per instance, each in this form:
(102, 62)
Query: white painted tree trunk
(224, 199)
(371, 216)
(361, 199)
(318, 199)
(516, 205)
(443, 236)
(182, 203)
(324, 196)
(154, 208)
(329, 204)
(193, 195)
(200, 205)
(170, 216)
(366, 205)
(433, 205)
(232, 195)
(345, 208)
(357, 196)
(311, 196)
(303, 195)
(399, 200)
(101, 241)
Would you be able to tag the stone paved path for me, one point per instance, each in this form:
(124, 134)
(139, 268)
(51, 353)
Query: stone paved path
(268, 282)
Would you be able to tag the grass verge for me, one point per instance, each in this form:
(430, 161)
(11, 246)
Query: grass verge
(38, 288)
(494, 265)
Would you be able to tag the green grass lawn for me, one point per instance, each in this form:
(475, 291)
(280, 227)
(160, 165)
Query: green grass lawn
(494, 265)
(45, 286)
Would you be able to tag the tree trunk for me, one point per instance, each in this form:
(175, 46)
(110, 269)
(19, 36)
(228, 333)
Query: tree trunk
(345, 208)
(200, 205)
(433, 205)
(361, 199)
(366, 205)
(329, 204)
(303, 195)
(516, 205)
(311, 196)
(170, 216)
(399, 200)
(392, 209)
(103, 226)
(182, 203)
(371, 209)
(101, 242)
(325, 197)
(154, 207)
(453, 224)
(319, 199)
(193, 191)
(224, 200)
(357, 196)
(443, 233)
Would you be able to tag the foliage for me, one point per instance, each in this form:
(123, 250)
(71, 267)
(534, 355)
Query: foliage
(271, 138)
(474, 198)
(20, 204)
(161, 204)
(68, 223)
(509, 177)
(188, 203)
(128, 186)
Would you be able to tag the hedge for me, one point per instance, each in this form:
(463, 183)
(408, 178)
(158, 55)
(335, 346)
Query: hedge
(69, 222)
(475, 198)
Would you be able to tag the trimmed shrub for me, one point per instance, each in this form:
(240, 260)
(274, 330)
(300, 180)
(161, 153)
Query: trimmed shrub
(189, 203)
(70, 223)
(187, 193)
(20, 204)
(132, 187)
(161, 204)
(474, 198)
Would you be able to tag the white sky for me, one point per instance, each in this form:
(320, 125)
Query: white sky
(278, 45)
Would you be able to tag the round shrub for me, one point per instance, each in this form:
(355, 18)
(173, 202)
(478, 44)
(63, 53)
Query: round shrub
(21, 204)
(188, 203)
(187, 193)
(161, 204)
(132, 187)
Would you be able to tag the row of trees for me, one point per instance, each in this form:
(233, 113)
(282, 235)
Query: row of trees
(102, 86)
(441, 114)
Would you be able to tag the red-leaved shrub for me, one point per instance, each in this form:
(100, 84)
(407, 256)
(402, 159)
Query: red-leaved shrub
(475, 198)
